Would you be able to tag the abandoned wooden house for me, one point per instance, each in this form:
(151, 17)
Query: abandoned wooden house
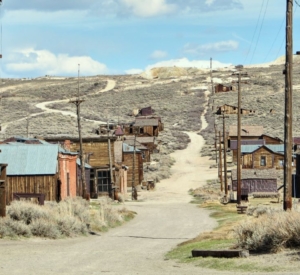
(144, 127)
(271, 140)
(222, 88)
(132, 157)
(144, 150)
(99, 154)
(39, 168)
(233, 146)
(255, 181)
(230, 110)
(262, 157)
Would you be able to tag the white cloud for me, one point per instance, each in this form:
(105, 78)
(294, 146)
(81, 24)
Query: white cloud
(134, 71)
(158, 54)
(221, 46)
(209, 2)
(43, 62)
(149, 9)
(184, 62)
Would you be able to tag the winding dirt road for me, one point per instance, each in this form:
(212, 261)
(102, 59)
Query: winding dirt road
(43, 106)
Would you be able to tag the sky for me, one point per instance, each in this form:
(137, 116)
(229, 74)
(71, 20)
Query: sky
(112, 37)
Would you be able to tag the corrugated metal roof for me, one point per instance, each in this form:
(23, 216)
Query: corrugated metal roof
(276, 148)
(29, 159)
(142, 139)
(137, 144)
(129, 149)
(233, 143)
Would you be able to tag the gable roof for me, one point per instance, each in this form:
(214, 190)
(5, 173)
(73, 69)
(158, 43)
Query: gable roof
(29, 159)
(233, 143)
(275, 148)
(247, 130)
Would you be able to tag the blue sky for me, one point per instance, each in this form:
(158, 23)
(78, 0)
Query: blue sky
(42, 37)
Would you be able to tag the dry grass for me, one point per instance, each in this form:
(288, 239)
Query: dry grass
(69, 218)
(270, 232)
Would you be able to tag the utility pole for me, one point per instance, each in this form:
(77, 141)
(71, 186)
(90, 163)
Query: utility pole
(133, 191)
(216, 141)
(239, 165)
(225, 155)
(77, 103)
(220, 161)
(288, 115)
(110, 163)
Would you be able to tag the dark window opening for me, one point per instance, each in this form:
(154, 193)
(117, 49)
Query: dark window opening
(103, 181)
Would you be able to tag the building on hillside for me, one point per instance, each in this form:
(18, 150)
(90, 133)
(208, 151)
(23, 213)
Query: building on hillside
(39, 168)
(222, 88)
(144, 126)
(230, 110)
(144, 150)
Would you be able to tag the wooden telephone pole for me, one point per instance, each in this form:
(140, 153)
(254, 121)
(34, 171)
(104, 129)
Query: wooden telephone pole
(77, 103)
(239, 165)
(288, 115)
(225, 155)
(220, 161)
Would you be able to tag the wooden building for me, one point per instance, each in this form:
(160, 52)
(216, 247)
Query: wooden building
(144, 126)
(222, 88)
(39, 168)
(263, 157)
(134, 162)
(253, 132)
(98, 155)
(255, 180)
(232, 110)
(146, 157)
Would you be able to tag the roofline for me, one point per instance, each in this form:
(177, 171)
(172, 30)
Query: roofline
(100, 138)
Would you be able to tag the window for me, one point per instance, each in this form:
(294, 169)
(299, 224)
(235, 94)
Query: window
(281, 162)
(103, 181)
(263, 161)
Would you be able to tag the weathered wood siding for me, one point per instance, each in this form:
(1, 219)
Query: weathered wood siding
(247, 161)
(32, 184)
(98, 150)
(262, 152)
(138, 171)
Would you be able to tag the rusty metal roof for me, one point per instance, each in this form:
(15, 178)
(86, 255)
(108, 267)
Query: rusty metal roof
(247, 130)
(254, 174)
(233, 143)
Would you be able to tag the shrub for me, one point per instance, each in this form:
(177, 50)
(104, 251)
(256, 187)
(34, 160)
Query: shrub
(44, 228)
(13, 228)
(270, 232)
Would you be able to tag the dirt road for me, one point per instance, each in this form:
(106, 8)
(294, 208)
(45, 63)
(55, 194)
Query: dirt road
(164, 218)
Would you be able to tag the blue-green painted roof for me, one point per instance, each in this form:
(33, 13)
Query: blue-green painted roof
(129, 149)
(29, 159)
(276, 148)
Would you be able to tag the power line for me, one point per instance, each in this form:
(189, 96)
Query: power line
(259, 31)
(262, 4)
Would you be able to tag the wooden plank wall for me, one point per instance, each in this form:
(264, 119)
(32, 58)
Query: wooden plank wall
(46, 184)
(99, 152)
(138, 171)
(257, 156)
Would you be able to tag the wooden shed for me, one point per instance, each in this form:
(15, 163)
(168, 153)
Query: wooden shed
(222, 88)
(255, 180)
(146, 157)
(232, 110)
